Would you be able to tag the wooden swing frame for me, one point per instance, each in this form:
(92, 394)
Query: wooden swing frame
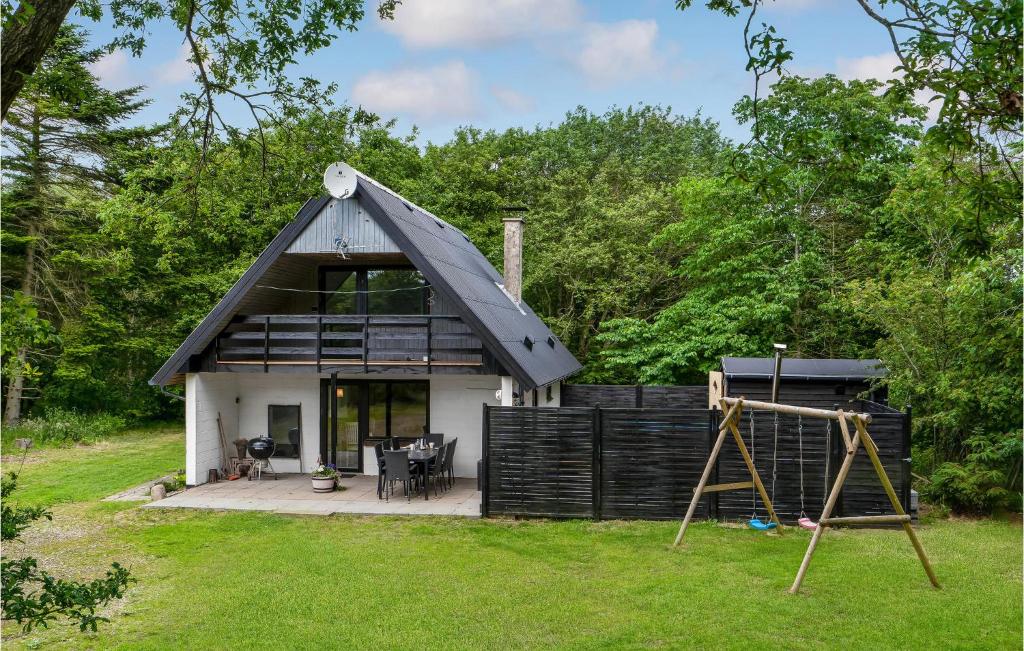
(733, 408)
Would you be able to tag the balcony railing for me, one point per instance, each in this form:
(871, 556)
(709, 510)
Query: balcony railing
(349, 342)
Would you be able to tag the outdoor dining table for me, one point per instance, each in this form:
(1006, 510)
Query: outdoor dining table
(423, 458)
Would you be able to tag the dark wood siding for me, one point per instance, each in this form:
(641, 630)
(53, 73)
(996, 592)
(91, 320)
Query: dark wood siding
(629, 395)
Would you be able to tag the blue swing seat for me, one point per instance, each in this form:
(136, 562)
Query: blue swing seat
(759, 525)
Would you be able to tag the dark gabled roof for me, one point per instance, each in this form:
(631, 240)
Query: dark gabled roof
(222, 312)
(803, 369)
(446, 258)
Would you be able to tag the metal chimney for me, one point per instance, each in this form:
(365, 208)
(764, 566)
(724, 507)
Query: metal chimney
(513, 268)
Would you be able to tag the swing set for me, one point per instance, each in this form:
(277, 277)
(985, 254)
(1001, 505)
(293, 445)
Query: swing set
(860, 439)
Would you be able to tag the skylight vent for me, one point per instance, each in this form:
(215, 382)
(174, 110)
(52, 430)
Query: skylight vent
(440, 224)
(528, 342)
(551, 341)
(407, 205)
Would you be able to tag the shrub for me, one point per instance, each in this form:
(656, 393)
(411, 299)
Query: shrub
(986, 481)
(63, 426)
(175, 483)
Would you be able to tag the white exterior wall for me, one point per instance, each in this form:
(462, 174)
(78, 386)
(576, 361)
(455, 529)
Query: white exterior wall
(456, 409)
(257, 391)
(206, 395)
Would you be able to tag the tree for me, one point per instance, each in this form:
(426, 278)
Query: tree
(597, 188)
(33, 597)
(66, 148)
(965, 53)
(764, 256)
(239, 49)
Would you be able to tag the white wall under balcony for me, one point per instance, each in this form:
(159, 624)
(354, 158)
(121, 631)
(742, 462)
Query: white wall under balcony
(456, 409)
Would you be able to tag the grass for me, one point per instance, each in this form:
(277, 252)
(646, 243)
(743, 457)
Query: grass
(84, 473)
(211, 580)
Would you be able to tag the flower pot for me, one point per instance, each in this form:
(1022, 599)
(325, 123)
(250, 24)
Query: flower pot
(323, 484)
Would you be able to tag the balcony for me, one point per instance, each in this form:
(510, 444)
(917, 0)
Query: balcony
(348, 343)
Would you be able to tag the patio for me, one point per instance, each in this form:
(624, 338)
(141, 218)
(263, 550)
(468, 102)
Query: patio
(292, 493)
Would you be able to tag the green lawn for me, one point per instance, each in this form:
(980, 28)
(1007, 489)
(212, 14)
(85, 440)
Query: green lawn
(438, 583)
(84, 473)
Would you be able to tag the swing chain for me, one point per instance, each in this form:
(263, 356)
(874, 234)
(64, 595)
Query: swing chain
(828, 458)
(800, 443)
(753, 462)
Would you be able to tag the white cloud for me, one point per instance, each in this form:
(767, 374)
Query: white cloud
(619, 51)
(881, 67)
(429, 94)
(176, 70)
(476, 23)
(512, 100)
(878, 66)
(112, 69)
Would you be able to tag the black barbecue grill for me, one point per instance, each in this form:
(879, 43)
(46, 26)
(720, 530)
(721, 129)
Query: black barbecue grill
(261, 449)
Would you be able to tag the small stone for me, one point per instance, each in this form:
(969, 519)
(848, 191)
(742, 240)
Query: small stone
(158, 492)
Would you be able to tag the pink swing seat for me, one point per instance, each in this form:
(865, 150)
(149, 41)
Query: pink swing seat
(807, 523)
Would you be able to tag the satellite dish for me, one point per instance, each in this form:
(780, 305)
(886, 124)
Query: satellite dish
(340, 180)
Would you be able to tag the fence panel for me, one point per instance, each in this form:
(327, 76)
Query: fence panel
(540, 461)
(651, 459)
(645, 463)
(630, 395)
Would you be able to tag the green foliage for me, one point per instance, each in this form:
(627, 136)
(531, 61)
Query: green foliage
(966, 54)
(175, 483)
(22, 329)
(64, 426)
(33, 597)
(986, 481)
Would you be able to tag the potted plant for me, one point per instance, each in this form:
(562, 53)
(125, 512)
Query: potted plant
(325, 478)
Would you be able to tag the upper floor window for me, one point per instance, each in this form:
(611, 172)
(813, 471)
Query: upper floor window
(369, 290)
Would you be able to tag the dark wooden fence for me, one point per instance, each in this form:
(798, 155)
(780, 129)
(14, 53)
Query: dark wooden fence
(628, 462)
(630, 395)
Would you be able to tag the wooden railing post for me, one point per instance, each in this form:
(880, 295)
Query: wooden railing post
(430, 348)
(266, 344)
(366, 344)
(319, 330)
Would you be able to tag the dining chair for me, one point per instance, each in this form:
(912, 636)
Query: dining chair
(435, 469)
(450, 461)
(396, 467)
(378, 450)
(436, 439)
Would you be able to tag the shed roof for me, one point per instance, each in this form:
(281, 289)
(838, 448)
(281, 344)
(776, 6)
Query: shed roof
(803, 369)
(516, 336)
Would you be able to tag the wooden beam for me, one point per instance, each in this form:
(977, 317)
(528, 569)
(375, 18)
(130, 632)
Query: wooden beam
(864, 519)
(734, 486)
(736, 409)
(753, 470)
(825, 513)
(887, 485)
(795, 410)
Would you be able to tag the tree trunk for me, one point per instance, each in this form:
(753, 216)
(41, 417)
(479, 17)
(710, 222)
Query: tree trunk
(25, 40)
(12, 409)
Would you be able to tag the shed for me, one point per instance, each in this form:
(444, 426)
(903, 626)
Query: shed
(822, 383)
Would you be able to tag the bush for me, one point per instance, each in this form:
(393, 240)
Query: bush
(63, 426)
(175, 483)
(986, 481)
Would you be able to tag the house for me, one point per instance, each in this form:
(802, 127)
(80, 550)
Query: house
(822, 383)
(366, 317)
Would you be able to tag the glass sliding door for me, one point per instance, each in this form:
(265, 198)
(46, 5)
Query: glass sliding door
(344, 420)
(355, 411)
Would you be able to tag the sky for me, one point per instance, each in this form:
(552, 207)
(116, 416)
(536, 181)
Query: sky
(522, 63)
